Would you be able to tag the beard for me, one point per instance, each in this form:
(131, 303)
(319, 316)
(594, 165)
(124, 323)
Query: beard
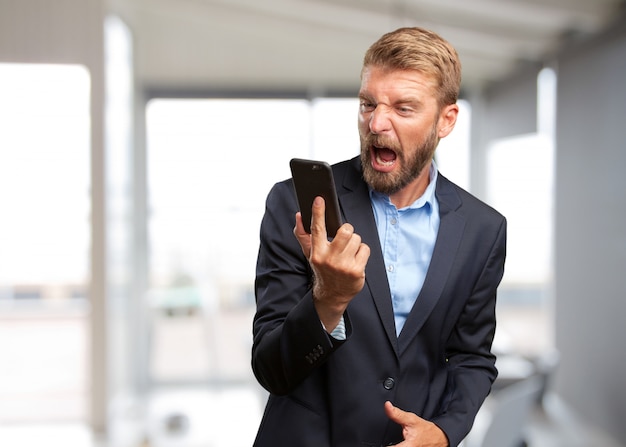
(410, 167)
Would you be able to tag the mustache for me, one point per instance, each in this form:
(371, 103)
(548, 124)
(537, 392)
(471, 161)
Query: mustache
(380, 141)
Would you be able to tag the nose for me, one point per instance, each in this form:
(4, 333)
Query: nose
(379, 120)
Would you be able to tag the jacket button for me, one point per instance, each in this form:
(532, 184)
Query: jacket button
(389, 383)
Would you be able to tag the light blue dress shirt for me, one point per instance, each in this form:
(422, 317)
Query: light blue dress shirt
(407, 238)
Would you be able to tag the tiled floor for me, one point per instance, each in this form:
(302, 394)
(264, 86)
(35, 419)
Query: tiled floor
(43, 392)
(199, 418)
(204, 418)
(174, 418)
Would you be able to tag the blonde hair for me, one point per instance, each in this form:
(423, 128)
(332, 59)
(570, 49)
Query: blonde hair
(422, 50)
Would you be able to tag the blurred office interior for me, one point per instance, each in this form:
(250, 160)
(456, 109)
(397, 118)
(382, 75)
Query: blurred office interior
(139, 138)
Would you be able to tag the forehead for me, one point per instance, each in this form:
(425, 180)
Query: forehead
(376, 80)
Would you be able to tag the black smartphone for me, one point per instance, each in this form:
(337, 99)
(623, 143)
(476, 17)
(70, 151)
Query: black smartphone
(313, 178)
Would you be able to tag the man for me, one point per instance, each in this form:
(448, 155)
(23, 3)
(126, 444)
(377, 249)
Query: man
(382, 335)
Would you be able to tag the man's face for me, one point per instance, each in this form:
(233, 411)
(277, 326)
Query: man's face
(398, 126)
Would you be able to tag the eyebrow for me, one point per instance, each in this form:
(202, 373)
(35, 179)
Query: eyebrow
(407, 100)
(410, 100)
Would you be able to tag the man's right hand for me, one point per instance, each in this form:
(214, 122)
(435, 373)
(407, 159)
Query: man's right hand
(338, 265)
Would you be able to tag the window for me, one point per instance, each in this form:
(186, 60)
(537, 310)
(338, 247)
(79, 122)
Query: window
(211, 163)
(520, 185)
(210, 166)
(44, 262)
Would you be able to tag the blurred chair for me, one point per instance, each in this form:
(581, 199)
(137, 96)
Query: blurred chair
(545, 367)
(502, 420)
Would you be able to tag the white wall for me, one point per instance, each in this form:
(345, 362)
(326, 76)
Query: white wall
(590, 215)
(591, 231)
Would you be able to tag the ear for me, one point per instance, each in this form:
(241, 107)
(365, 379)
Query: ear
(447, 120)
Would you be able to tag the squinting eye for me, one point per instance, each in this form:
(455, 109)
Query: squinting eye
(367, 107)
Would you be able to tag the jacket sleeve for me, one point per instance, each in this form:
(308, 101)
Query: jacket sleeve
(471, 365)
(289, 341)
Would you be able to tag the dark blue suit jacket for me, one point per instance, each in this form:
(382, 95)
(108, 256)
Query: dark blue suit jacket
(327, 393)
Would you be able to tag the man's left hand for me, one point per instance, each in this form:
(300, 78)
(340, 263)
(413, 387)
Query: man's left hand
(417, 432)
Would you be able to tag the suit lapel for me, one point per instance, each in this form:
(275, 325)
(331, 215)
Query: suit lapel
(355, 204)
(448, 239)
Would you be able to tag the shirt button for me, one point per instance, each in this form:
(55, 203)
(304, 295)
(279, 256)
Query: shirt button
(389, 383)
(390, 268)
(393, 221)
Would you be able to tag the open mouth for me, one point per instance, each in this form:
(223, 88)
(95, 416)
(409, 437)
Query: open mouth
(384, 157)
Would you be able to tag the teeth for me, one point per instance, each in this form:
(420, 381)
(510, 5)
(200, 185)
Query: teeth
(380, 161)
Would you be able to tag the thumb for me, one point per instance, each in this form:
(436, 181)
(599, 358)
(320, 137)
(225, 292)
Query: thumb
(396, 414)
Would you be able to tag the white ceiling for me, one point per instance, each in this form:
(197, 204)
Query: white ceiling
(318, 45)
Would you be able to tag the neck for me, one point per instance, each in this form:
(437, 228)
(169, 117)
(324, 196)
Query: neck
(413, 191)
